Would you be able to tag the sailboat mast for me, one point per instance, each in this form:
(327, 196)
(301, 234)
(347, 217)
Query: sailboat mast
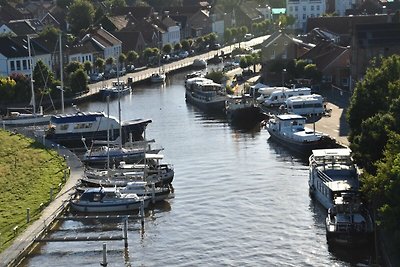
(108, 135)
(33, 101)
(119, 105)
(61, 77)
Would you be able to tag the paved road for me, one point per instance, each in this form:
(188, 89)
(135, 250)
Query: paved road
(335, 125)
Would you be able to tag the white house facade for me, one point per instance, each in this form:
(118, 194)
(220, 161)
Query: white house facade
(303, 9)
(342, 5)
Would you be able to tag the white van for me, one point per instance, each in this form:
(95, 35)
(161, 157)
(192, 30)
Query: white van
(278, 98)
(265, 92)
(305, 105)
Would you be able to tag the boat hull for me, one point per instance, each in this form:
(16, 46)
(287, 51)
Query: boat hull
(113, 93)
(214, 105)
(99, 207)
(74, 139)
(303, 148)
(348, 238)
(20, 122)
(251, 114)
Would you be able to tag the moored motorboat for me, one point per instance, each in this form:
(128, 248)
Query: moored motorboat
(70, 129)
(206, 95)
(108, 200)
(199, 63)
(348, 222)
(142, 188)
(158, 77)
(290, 131)
(16, 119)
(116, 88)
(331, 173)
(243, 110)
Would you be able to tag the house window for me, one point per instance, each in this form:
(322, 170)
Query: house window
(304, 8)
(273, 54)
(12, 65)
(291, 9)
(312, 8)
(18, 65)
(317, 7)
(24, 64)
(304, 16)
(296, 8)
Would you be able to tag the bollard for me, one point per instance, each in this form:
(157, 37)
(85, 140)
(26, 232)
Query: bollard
(65, 176)
(126, 232)
(142, 213)
(28, 217)
(104, 263)
(153, 193)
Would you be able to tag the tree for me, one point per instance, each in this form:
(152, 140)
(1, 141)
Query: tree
(50, 33)
(228, 37)
(377, 91)
(177, 47)
(99, 64)
(131, 56)
(121, 60)
(167, 49)
(80, 15)
(186, 45)
(78, 81)
(88, 66)
(73, 66)
(43, 77)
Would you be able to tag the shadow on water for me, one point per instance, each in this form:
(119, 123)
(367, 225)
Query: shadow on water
(284, 152)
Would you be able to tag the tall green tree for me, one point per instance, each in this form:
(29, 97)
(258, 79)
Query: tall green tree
(80, 15)
(43, 77)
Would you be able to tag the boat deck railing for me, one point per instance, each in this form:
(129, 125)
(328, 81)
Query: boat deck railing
(325, 178)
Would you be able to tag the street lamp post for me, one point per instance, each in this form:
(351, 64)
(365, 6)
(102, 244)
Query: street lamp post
(283, 77)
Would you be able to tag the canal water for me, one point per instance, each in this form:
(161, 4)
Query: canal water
(240, 199)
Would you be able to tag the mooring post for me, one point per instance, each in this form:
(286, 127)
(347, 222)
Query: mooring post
(65, 176)
(28, 217)
(104, 263)
(153, 192)
(142, 213)
(126, 232)
(51, 194)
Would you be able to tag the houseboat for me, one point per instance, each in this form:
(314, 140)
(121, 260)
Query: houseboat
(243, 110)
(331, 173)
(206, 95)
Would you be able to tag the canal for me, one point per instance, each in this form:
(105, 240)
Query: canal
(240, 199)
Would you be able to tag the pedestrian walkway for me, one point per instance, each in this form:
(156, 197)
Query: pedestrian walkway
(25, 240)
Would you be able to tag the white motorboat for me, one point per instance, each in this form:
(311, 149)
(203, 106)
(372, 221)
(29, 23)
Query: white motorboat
(332, 172)
(116, 88)
(348, 222)
(142, 188)
(150, 171)
(290, 131)
(158, 77)
(18, 118)
(108, 200)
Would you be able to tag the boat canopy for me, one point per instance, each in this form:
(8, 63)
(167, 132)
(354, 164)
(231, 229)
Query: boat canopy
(77, 117)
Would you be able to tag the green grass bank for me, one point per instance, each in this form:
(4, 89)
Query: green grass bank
(28, 173)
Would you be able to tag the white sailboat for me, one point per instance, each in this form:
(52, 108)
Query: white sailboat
(20, 116)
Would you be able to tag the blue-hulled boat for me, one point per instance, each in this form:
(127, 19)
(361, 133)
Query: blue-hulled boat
(70, 129)
(108, 200)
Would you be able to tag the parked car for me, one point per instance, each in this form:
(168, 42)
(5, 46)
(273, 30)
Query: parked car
(96, 77)
(183, 54)
(130, 68)
(248, 36)
(215, 46)
(165, 58)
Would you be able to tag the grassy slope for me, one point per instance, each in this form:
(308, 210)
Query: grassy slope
(27, 172)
